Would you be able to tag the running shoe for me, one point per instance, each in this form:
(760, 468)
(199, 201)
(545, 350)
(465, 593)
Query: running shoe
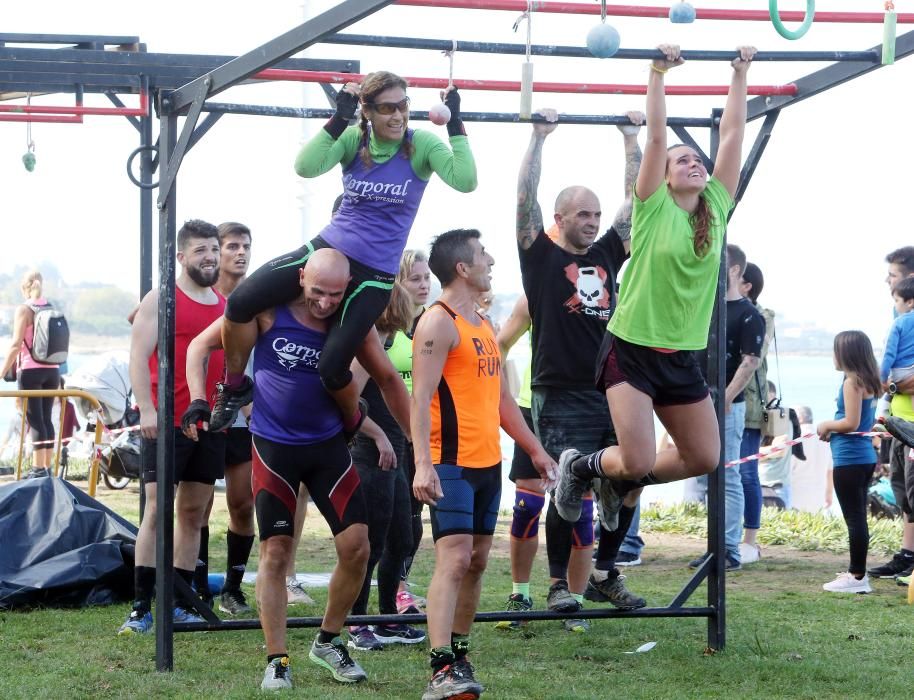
(398, 634)
(569, 490)
(228, 402)
(137, 623)
(234, 603)
(609, 500)
(749, 553)
(579, 626)
(363, 639)
(278, 675)
(455, 682)
(900, 565)
(183, 615)
(612, 590)
(626, 559)
(903, 581)
(409, 604)
(517, 602)
(334, 657)
(846, 582)
(560, 598)
(296, 594)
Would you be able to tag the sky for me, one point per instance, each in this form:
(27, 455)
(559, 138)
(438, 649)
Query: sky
(824, 207)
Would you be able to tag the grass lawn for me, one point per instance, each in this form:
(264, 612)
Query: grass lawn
(786, 637)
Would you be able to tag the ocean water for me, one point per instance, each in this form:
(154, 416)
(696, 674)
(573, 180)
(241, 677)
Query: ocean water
(809, 380)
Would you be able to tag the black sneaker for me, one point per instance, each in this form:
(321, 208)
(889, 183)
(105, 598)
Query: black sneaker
(560, 598)
(228, 402)
(233, 603)
(349, 435)
(900, 565)
(398, 634)
(613, 590)
(453, 681)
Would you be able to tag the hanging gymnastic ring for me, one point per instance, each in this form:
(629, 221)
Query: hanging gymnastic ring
(784, 31)
(130, 158)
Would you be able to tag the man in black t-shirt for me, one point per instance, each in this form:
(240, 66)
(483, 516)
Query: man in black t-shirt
(570, 284)
(745, 335)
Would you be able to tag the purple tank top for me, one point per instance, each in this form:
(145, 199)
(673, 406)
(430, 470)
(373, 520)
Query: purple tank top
(378, 210)
(291, 405)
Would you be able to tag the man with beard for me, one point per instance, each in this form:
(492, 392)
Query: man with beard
(197, 463)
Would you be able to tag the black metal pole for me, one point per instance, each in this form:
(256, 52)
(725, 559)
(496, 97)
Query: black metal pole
(165, 444)
(717, 624)
(400, 42)
(145, 226)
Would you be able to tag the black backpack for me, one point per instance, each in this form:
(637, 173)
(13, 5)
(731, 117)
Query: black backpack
(51, 338)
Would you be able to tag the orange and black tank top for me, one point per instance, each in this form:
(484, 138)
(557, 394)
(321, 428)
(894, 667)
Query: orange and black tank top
(464, 410)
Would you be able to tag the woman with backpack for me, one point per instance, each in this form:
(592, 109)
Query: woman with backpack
(33, 374)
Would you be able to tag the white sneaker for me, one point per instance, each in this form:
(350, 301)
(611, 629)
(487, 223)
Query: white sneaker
(296, 594)
(848, 583)
(749, 553)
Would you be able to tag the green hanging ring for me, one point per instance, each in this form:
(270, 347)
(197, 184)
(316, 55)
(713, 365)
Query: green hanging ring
(784, 31)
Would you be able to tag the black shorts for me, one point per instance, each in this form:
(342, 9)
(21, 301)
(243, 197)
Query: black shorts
(237, 446)
(277, 283)
(325, 468)
(576, 418)
(470, 502)
(670, 379)
(521, 464)
(202, 461)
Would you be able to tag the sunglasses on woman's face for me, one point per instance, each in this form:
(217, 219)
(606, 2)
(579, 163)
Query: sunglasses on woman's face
(389, 107)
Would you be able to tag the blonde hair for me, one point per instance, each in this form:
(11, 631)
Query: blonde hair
(410, 257)
(398, 314)
(32, 283)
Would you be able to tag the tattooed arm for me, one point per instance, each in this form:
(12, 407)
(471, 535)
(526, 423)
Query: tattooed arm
(623, 220)
(529, 214)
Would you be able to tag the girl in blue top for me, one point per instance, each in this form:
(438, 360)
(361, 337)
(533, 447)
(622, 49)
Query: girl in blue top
(853, 456)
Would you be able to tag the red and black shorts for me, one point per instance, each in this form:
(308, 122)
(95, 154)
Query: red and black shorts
(325, 468)
(670, 379)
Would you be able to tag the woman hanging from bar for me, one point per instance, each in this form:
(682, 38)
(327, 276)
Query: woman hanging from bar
(386, 167)
(648, 360)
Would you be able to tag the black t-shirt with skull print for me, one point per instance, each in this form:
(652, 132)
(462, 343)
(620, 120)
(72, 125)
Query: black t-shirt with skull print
(571, 298)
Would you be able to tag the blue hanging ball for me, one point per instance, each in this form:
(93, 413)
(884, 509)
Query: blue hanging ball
(682, 13)
(603, 41)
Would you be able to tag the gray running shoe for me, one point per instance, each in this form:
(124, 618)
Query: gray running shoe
(560, 598)
(454, 681)
(234, 603)
(296, 593)
(516, 603)
(278, 675)
(570, 489)
(613, 590)
(609, 502)
(334, 657)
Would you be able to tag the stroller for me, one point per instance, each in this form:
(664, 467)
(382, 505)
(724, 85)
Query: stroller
(107, 378)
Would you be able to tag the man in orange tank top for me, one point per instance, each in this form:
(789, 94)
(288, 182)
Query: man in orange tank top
(459, 400)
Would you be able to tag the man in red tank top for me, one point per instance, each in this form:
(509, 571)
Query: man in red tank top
(197, 464)
(459, 400)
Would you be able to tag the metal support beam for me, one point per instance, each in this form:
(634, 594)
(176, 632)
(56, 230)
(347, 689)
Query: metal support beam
(400, 42)
(755, 155)
(165, 445)
(826, 78)
(293, 41)
(176, 157)
(116, 101)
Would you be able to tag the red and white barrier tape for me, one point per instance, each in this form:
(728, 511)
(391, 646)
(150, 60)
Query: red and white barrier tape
(780, 447)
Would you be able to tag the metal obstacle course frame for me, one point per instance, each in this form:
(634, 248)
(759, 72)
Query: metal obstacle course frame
(183, 85)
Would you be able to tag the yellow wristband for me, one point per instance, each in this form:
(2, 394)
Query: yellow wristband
(659, 70)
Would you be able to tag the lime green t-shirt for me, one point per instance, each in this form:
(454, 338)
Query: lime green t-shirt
(525, 395)
(401, 357)
(667, 294)
(903, 407)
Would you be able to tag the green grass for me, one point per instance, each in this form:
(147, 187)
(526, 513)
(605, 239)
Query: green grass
(786, 637)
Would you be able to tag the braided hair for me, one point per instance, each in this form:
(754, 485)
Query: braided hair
(372, 86)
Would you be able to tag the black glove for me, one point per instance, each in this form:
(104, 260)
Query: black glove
(346, 104)
(454, 126)
(198, 411)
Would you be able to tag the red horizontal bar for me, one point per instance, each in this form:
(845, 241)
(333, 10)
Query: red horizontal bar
(54, 119)
(656, 12)
(140, 111)
(307, 76)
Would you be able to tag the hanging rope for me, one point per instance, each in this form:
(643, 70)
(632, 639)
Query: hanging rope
(28, 158)
(526, 79)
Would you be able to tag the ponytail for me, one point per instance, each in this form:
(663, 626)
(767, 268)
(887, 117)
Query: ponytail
(701, 220)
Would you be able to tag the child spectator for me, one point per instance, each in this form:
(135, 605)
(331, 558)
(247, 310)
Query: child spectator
(898, 358)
